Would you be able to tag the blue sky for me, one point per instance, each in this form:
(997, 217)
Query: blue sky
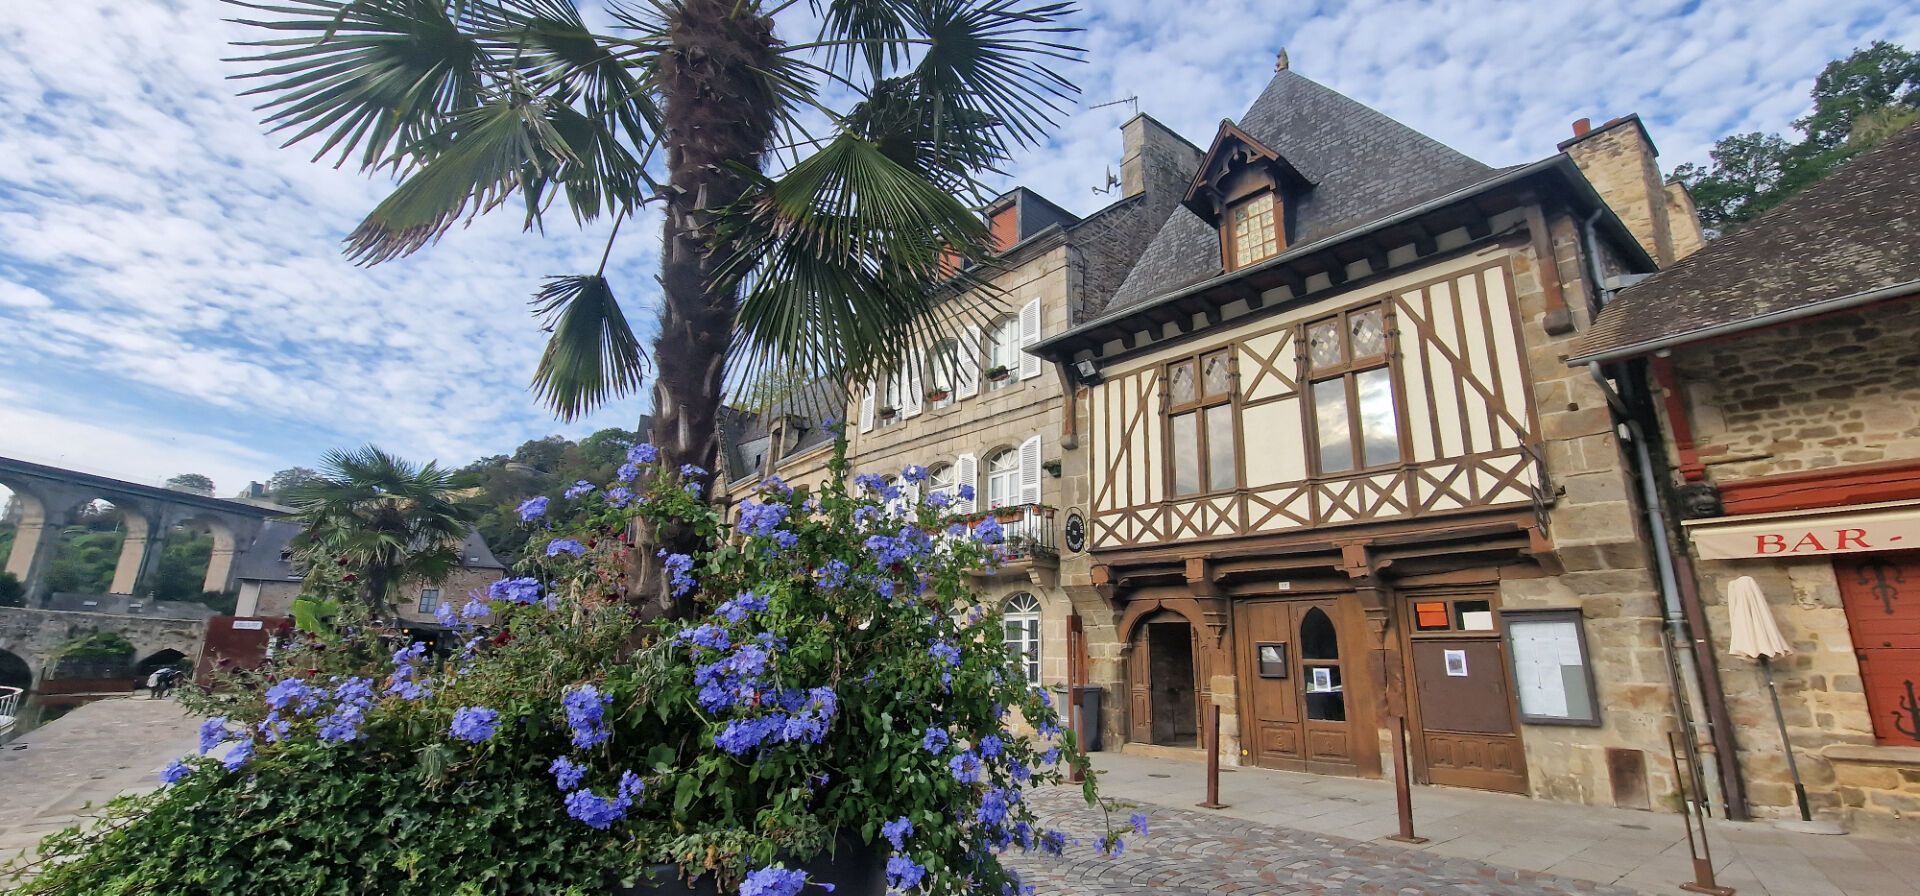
(173, 298)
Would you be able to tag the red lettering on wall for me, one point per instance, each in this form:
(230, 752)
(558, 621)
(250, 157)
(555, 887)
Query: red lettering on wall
(1808, 541)
(1853, 538)
(1770, 544)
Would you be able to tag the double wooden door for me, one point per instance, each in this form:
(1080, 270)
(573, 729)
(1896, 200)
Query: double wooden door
(1881, 594)
(1307, 699)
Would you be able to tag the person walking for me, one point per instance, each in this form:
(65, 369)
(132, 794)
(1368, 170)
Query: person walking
(156, 684)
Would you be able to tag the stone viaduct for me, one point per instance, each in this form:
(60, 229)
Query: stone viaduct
(49, 497)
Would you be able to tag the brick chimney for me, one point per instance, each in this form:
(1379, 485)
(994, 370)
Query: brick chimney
(1621, 162)
(1152, 152)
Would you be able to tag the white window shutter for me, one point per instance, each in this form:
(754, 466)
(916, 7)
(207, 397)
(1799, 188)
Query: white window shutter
(866, 407)
(1030, 471)
(912, 391)
(966, 375)
(966, 469)
(1029, 336)
(911, 492)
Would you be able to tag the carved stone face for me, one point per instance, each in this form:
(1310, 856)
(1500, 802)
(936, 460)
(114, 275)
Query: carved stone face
(1699, 499)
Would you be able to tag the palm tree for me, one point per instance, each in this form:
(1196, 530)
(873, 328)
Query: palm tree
(387, 521)
(797, 232)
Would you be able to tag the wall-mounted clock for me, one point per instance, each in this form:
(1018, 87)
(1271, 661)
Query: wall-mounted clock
(1076, 532)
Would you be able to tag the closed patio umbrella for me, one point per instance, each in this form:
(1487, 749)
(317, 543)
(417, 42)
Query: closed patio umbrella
(1756, 636)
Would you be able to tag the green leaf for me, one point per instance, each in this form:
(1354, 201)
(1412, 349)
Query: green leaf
(592, 356)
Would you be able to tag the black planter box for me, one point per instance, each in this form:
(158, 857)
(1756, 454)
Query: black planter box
(853, 868)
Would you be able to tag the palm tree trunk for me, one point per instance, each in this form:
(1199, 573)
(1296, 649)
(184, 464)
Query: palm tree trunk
(718, 114)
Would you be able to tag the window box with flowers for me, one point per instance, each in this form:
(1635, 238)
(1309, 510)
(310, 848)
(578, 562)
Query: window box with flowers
(838, 714)
(938, 395)
(999, 372)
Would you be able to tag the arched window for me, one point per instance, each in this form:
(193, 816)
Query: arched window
(1003, 478)
(1021, 614)
(1320, 663)
(941, 480)
(1003, 353)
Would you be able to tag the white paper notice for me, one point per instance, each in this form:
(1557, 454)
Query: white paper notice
(1544, 652)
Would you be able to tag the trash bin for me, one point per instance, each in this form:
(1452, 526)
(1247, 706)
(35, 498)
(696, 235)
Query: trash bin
(1087, 696)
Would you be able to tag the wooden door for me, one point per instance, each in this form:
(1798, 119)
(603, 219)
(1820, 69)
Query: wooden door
(1139, 689)
(1881, 594)
(1298, 686)
(1465, 725)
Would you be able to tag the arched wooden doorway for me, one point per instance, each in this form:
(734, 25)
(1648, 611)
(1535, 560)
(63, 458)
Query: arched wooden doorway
(1306, 699)
(1163, 679)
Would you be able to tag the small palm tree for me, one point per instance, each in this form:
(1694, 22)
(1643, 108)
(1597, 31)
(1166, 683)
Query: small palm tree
(798, 232)
(386, 521)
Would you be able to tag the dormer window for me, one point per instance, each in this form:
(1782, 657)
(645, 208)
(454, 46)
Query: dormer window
(1251, 233)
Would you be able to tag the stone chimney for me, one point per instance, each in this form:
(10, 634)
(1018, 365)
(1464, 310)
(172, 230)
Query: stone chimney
(1621, 162)
(1149, 145)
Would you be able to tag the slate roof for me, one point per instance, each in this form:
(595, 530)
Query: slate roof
(744, 434)
(1855, 232)
(1363, 165)
(262, 561)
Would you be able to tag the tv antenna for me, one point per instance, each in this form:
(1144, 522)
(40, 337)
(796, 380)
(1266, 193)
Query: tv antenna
(1133, 101)
(1113, 183)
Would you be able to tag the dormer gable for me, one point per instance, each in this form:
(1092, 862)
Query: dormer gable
(1243, 189)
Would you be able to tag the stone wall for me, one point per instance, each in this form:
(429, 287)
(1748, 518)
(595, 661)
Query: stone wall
(36, 635)
(1842, 389)
(276, 598)
(1604, 568)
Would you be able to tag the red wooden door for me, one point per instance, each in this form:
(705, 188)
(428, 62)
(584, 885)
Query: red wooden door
(1881, 593)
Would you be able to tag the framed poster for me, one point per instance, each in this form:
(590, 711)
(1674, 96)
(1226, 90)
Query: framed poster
(1322, 680)
(1552, 677)
(1456, 663)
(1272, 659)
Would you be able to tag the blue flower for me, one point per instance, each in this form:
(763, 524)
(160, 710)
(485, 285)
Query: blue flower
(627, 473)
(524, 590)
(775, 880)
(692, 471)
(1112, 846)
(407, 689)
(343, 724)
(566, 773)
(965, 767)
(995, 805)
(631, 787)
(897, 831)
(965, 492)
(903, 874)
(586, 715)
(239, 755)
(619, 496)
(175, 772)
(213, 733)
(680, 567)
(989, 531)
(935, 741)
(990, 746)
(736, 610)
(476, 609)
(643, 453)
(1053, 843)
(582, 487)
(761, 519)
(941, 650)
(834, 574)
(273, 728)
(595, 811)
(445, 613)
(914, 473)
(742, 735)
(533, 508)
(292, 693)
(474, 724)
(565, 546)
(1139, 823)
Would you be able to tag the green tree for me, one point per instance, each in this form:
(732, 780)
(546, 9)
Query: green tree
(1857, 102)
(182, 569)
(12, 592)
(284, 481)
(794, 232)
(385, 520)
(192, 482)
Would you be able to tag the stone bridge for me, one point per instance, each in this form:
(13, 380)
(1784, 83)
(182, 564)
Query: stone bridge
(49, 498)
(30, 640)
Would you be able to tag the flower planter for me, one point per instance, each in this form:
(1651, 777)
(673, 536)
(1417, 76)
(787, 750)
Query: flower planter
(997, 374)
(889, 413)
(938, 396)
(853, 868)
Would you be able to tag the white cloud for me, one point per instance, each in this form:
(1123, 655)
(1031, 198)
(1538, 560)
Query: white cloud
(156, 244)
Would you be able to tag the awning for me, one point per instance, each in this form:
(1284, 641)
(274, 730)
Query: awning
(1894, 526)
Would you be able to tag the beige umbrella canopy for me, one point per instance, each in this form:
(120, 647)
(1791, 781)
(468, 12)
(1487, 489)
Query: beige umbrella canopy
(1754, 633)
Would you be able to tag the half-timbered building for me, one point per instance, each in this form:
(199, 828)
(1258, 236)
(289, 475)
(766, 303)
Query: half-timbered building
(1340, 481)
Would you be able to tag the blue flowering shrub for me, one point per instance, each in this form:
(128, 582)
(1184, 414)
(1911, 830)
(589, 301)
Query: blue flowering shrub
(841, 687)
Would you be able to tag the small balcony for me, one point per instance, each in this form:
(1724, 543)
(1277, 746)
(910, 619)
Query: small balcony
(1029, 535)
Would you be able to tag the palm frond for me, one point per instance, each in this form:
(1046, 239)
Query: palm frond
(489, 152)
(373, 76)
(836, 258)
(870, 31)
(997, 57)
(592, 356)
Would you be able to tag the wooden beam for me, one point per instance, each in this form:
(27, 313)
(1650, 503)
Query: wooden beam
(1294, 282)
(1423, 242)
(1479, 227)
(1336, 269)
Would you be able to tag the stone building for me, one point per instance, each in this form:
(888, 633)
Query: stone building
(981, 412)
(1339, 478)
(269, 582)
(1782, 363)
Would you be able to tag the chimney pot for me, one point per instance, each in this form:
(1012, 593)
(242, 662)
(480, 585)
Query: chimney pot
(1582, 127)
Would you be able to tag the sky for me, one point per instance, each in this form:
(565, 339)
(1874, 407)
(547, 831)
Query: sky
(173, 297)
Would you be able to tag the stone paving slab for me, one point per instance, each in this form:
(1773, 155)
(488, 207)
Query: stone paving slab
(1190, 853)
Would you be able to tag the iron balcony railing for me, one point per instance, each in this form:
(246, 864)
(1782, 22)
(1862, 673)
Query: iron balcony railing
(1028, 529)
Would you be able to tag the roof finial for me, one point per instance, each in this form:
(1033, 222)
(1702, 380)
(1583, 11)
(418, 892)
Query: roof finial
(1280, 63)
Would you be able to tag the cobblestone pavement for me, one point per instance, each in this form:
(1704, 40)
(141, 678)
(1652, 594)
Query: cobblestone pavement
(1190, 853)
(49, 775)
